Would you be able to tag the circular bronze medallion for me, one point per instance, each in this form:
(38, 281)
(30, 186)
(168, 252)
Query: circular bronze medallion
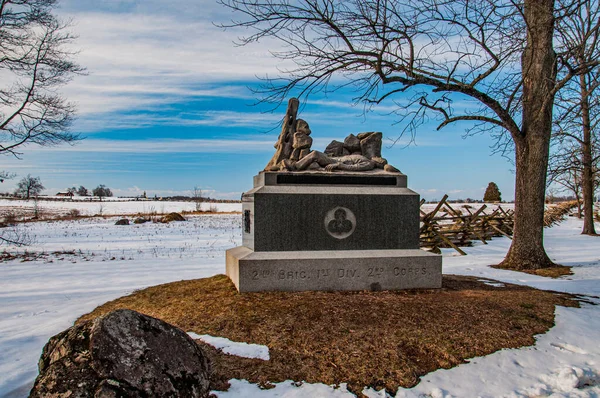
(340, 222)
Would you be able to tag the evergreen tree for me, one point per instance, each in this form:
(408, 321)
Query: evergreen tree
(492, 193)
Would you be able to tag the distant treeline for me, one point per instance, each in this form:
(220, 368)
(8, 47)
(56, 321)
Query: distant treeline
(549, 199)
(183, 199)
(468, 200)
(125, 198)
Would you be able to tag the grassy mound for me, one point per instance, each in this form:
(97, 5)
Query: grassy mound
(375, 339)
(172, 217)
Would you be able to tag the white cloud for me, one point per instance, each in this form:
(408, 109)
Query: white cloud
(145, 55)
(221, 118)
(243, 145)
(142, 62)
(390, 106)
(165, 48)
(183, 119)
(184, 9)
(96, 99)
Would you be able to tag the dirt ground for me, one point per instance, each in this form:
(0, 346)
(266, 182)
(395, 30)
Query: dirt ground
(365, 339)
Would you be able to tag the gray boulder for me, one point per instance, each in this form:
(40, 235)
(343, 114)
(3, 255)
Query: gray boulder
(352, 144)
(335, 148)
(362, 136)
(302, 141)
(301, 145)
(122, 221)
(302, 127)
(370, 145)
(122, 354)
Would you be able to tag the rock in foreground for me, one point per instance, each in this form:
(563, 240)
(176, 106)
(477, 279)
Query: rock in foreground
(123, 353)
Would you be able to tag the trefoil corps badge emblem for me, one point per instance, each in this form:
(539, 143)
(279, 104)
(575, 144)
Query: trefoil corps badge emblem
(340, 222)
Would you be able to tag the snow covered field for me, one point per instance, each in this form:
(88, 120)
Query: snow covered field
(80, 264)
(111, 206)
(116, 206)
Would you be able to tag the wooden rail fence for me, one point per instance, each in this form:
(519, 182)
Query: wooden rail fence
(452, 227)
(555, 214)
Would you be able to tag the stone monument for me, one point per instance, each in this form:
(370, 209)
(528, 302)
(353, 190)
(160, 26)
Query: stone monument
(342, 219)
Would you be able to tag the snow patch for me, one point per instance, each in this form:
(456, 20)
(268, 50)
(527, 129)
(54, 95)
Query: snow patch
(568, 347)
(42, 297)
(491, 283)
(569, 379)
(245, 350)
(287, 389)
(371, 393)
(439, 393)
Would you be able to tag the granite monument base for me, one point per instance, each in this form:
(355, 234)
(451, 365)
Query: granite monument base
(372, 270)
(296, 212)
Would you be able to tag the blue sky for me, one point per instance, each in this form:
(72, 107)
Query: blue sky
(166, 106)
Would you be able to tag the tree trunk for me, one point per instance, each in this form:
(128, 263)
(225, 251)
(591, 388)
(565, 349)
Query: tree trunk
(578, 198)
(587, 183)
(576, 178)
(527, 248)
(533, 144)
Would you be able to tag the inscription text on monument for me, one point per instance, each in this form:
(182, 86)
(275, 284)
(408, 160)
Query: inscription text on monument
(338, 273)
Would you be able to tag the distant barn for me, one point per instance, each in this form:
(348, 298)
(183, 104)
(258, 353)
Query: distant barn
(65, 194)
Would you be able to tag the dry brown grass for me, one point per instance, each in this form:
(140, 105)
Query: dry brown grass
(49, 257)
(172, 217)
(10, 215)
(209, 212)
(375, 339)
(553, 272)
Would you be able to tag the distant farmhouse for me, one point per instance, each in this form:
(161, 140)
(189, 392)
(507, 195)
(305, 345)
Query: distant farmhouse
(65, 194)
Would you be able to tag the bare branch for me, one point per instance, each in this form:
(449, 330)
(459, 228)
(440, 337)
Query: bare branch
(35, 61)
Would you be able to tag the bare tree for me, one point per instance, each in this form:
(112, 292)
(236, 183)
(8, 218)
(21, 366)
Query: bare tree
(34, 61)
(498, 55)
(578, 109)
(5, 175)
(551, 194)
(565, 170)
(197, 197)
(15, 235)
(102, 191)
(82, 191)
(29, 186)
